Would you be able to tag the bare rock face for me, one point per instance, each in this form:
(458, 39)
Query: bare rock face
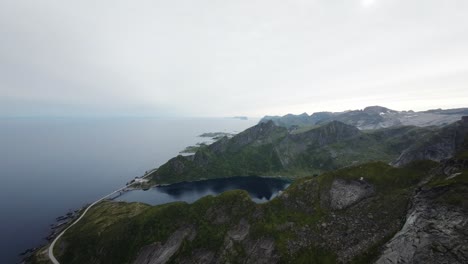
(344, 193)
(436, 152)
(442, 146)
(261, 250)
(240, 232)
(433, 233)
(159, 253)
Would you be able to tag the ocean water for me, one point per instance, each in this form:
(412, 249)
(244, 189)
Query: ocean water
(260, 189)
(49, 167)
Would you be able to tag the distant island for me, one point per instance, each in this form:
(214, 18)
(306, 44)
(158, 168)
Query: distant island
(193, 149)
(214, 136)
(241, 117)
(217, 135)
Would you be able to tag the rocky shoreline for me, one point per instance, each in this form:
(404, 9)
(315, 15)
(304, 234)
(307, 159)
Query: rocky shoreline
(61, 222)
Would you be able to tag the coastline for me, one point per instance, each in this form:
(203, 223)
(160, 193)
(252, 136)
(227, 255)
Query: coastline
(93, 171)
(64, 222)
(58, 228)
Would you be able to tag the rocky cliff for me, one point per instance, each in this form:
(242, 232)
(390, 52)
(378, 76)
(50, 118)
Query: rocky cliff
(442, 145)
(436, 227)
(435, 231)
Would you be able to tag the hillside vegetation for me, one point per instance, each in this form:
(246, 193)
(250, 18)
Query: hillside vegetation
(270, 150)
(348, 215)
(367, 212)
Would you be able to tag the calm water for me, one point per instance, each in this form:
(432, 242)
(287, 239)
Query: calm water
(51, 166)
(260, 190)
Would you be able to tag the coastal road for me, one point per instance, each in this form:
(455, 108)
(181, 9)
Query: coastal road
(51, 247)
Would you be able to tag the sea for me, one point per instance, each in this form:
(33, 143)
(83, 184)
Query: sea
(51, 166)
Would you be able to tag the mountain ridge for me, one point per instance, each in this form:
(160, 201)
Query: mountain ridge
(270, 150)
(372, 117)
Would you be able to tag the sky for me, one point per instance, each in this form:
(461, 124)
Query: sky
(229, 58)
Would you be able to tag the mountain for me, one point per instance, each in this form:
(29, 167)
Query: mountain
(442, 145)
(270, 150)
(247, 153)
(371, 213)
(347, 204)
(372, 117)
(292, 120)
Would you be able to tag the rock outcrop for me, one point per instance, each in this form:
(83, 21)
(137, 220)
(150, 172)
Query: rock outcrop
(344, 193)
(435, 231)
(159, 253)
(443, 145)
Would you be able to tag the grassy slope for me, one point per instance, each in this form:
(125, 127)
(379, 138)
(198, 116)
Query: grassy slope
(252, 159)
(114, 232)
(265, 159)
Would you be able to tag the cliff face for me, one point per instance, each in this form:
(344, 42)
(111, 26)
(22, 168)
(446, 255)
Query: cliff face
(435, 231)
(443, 145)
(436, 224)
(330, 133)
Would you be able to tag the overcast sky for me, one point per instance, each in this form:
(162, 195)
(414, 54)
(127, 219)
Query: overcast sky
(224, 58)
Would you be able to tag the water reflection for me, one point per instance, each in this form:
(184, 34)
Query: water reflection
(260, 190)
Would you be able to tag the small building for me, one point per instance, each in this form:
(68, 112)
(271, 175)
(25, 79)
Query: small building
(141, 180)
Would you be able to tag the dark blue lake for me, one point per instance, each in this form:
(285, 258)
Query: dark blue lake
(49, 166)
(260, 190)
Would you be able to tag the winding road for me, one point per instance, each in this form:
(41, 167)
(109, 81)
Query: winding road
(51, 247)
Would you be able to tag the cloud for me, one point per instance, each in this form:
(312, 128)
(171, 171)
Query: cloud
(367, 3)
(224, 58)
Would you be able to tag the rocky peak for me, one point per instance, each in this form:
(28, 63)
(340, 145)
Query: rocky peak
(339, 129)
(260, 130)
(327, 133)
(377, 109)
(261, 133)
